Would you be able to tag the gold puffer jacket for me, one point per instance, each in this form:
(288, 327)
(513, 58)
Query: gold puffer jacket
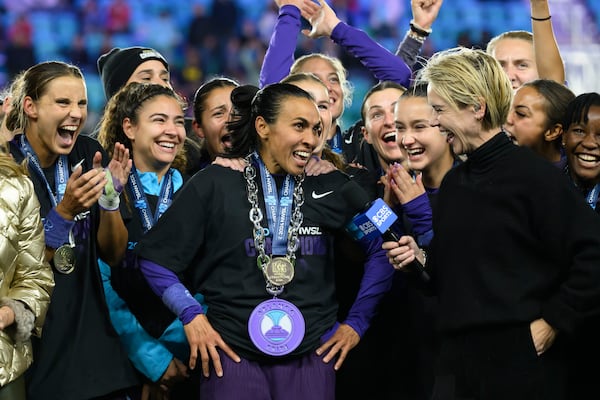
(24, 274)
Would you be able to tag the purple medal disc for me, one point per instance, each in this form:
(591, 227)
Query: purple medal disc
(276, 327)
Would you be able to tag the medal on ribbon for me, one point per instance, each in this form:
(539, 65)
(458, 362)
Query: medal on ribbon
(279, 271)
(276, 326)
(64, 259)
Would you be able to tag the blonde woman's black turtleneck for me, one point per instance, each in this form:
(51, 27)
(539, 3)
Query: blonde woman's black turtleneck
(513, 242)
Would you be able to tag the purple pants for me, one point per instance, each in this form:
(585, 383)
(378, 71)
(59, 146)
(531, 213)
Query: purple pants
(304, 378)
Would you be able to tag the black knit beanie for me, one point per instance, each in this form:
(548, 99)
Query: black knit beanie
(117, 66)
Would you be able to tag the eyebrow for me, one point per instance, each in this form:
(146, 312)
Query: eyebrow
(219, 107)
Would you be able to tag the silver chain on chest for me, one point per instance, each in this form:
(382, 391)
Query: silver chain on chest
(256, 217)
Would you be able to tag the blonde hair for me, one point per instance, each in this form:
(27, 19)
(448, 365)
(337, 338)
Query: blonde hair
(8, 165)
(520, 35)
(465, 77)
(341, 72)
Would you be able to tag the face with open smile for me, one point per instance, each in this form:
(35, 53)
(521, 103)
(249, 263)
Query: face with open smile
(526, 122)
(288, 143)
(212, 126)
(380, 126)
(461, 126)
(158, 135)
(582, 146)
(56, 118)
(423, 143)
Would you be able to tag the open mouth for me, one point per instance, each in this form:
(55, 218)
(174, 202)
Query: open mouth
(167, 145)
(67, 134)
(389, 137)
(415, 152)
(587, 159)
(226, 140)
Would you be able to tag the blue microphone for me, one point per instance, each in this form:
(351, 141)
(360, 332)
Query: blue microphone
(375, 219)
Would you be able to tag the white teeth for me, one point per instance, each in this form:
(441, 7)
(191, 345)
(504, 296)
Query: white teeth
(388, 137)
(587, 157)
(303, 154)
(167, 145)
(413, 152)
(71, 128)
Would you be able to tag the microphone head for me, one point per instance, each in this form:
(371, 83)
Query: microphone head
(374, 221)
(356, 197)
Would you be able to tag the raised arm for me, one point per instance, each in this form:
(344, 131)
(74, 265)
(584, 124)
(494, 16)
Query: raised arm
(547, 56)
(383, 64)
(280, 54)
(424, 14)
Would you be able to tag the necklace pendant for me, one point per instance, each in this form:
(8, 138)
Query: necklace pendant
(279, 271)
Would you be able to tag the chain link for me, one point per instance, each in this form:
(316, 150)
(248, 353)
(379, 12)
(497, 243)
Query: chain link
(256, 216)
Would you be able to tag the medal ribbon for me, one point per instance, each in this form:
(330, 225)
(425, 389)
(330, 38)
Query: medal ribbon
(61, 171)
(279, 208)
(336, 143)
(592, 197)
(141, 202)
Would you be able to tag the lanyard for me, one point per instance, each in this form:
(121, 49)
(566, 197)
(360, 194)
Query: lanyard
(592, 197)
(61, 171)
(141, 202)
(279, 208)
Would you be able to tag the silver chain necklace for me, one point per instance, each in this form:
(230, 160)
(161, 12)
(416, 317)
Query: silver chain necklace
(256, 217)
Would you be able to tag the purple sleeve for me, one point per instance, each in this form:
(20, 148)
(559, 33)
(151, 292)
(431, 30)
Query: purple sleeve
(418, 212)
(165, 284)
(376, 281)
(280, 54)
(383, 64)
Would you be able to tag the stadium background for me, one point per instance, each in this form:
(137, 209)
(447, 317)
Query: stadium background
(206, 38)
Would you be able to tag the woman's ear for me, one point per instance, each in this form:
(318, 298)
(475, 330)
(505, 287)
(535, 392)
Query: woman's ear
(365, 134)
(198, 129)
(262, 128)
(479, 109)
(30, 107)
(128, 129)
(553, 133)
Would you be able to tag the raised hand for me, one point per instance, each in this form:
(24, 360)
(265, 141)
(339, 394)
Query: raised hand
(322, 19)
(120, 166)
(425, 12)
(402, 185)
(83, 190)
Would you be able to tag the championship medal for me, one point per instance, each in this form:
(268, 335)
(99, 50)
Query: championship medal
(279, 271)
(64, 259)
(276, 327)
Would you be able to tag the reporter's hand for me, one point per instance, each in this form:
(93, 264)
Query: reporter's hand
(403, 252)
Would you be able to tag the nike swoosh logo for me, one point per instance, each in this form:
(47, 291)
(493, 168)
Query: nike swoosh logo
(316, 195)
(348, 140)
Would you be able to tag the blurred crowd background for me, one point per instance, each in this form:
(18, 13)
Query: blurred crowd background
(206, 38)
